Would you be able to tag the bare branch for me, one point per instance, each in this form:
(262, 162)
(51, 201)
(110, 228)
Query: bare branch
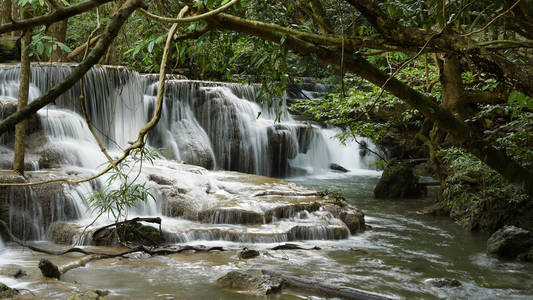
(188, 19)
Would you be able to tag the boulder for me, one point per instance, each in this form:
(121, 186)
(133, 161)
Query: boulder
(248, 253)
(339, 168)
(253, 283)
(352, 217)
(52, 156)
(63, 233)
(7, 292)
(398, 181)
(48, 269)
(443, 282)
(282, 146)
(509, 242)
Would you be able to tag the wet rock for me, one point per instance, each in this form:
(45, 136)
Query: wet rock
(352, 217)
(248, 253)
(7, 292)
(52, 156)
(32, 210)
(321, 232)
(253, 283)
(193, 149)
(443, 282)
(20, 273)
(306, 134)
(230, 216)
(86, 296)
(282, 146)
(437, 209)
(179, 205)
(63, 233)
(339, 168)
(8, 106)
(48, 269)
(509, 242)
(289, 210)
(160, 180)
(398, 181)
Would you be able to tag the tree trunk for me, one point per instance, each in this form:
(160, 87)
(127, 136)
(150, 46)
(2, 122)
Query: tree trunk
(5, 16)
(24, 87)
(59, 32)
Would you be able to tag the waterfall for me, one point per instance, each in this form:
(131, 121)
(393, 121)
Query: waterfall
(215, 125)
(211, 124)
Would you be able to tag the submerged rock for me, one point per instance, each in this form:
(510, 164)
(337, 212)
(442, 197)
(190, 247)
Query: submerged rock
(7, 292)
(339, 168)
(352, 217)
(248, 253)
(510, 242)
(86, 296)
(253, 283)
(443, 282)
(398, 181)
(49, 269)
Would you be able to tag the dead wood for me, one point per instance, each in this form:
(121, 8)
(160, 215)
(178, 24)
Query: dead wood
(327, 290)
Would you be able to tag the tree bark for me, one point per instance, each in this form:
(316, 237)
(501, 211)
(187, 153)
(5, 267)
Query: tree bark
(23, 93)
(5, 16)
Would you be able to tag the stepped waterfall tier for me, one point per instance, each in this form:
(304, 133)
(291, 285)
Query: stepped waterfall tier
(213, 125)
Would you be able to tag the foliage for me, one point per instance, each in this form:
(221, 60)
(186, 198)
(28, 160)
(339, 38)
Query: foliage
(119, 191)
(43, 44)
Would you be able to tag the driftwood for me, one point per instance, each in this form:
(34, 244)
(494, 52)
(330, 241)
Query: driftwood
(286, 193)
(325, 289)
(289, 246)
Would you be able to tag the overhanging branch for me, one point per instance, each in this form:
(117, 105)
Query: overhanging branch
(58, 14)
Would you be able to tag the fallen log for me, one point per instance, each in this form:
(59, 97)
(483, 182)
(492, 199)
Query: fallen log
(290, 246)
(325, 289)
(286, 193)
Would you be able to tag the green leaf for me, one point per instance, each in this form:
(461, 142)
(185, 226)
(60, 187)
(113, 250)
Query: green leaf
(40, 48)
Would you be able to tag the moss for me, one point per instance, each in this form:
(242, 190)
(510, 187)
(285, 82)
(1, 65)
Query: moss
(479, 198)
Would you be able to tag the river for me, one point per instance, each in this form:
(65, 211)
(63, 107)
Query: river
(398, 256)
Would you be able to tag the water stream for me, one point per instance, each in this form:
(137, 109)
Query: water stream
(216, 126)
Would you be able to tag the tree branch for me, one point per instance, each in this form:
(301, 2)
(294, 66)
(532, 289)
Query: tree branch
(58, 14)
(465, 135)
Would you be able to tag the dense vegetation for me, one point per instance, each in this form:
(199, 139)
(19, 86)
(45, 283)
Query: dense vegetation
(451, 80)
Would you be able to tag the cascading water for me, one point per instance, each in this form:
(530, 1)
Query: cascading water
(215, 125)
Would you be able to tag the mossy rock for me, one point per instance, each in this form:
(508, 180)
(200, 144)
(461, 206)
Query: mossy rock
(7, 292)
(399, 181)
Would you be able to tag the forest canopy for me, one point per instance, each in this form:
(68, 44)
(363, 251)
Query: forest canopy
(443, 63)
